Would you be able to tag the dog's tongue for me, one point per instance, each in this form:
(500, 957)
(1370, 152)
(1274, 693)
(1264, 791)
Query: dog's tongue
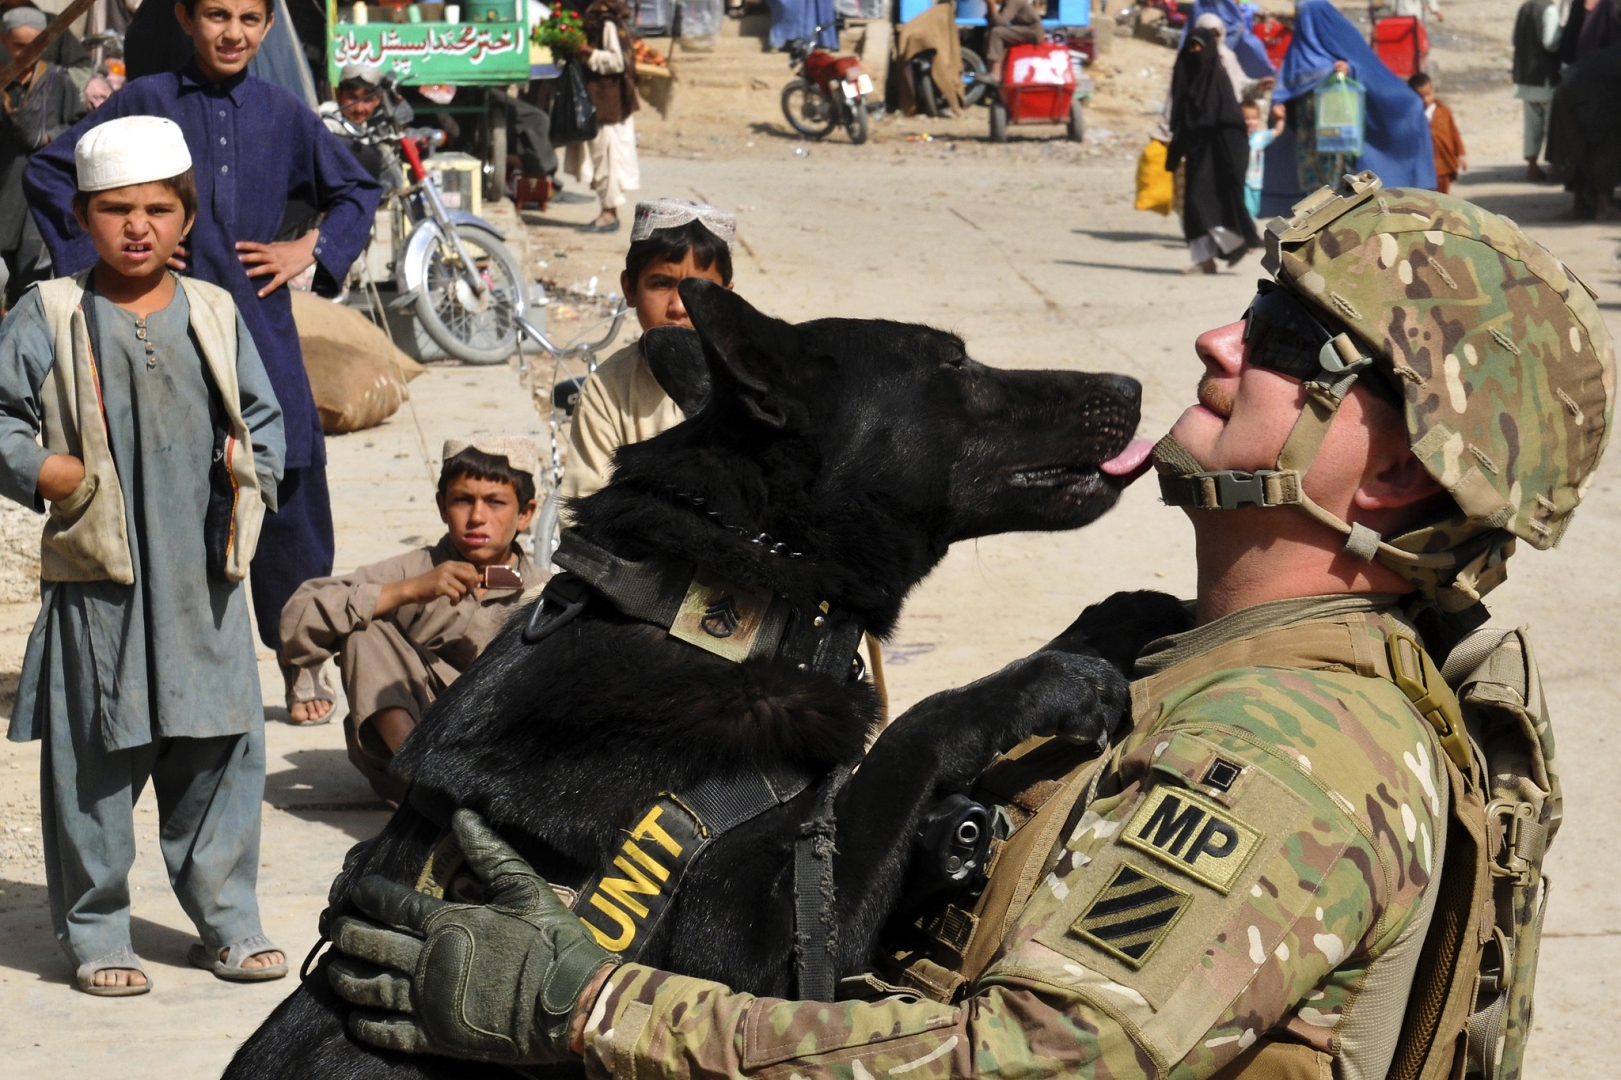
(1131, 462)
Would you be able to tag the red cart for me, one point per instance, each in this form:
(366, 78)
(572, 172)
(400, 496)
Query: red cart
(1038, 87)
(1400, 41)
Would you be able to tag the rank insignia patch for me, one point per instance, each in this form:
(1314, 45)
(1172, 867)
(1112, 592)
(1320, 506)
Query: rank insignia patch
(721, 618)
(1132, 915)
(1194, 834)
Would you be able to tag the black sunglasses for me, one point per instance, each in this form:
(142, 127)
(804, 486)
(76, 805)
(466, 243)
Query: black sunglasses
(1285, 336)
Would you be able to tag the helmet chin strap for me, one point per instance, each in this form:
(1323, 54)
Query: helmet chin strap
(1184, 482)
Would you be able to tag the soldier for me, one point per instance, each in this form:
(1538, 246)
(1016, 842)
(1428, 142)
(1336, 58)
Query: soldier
(1245, 885)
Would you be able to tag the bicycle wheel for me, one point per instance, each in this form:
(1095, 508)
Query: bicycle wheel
(973, 69)
(544, 537)
(807, 110)
(475, 329)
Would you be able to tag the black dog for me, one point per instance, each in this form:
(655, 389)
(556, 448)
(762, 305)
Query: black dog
(824, 471)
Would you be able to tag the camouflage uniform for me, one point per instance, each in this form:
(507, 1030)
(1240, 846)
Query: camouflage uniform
(1248, 880)
(1132, 958)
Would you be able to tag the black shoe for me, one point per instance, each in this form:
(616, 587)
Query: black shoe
(593, 227)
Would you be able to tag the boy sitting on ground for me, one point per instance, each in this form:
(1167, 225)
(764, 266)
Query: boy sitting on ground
(162, 447)
(404, 628)
(623, 403)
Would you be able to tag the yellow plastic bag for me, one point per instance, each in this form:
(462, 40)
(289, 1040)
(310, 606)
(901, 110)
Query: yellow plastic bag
(1156, 188)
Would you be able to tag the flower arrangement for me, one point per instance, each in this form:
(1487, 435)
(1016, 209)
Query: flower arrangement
(561, 32)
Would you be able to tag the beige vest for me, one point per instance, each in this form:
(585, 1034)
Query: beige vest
(86, 537)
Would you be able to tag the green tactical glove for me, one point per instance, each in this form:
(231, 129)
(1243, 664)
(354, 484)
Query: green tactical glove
(496, 982)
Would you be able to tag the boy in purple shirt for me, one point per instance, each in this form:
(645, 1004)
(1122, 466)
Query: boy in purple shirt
(255, 146)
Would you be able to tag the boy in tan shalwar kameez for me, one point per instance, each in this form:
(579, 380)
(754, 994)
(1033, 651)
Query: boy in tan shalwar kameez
(622, 402)
(404, 628)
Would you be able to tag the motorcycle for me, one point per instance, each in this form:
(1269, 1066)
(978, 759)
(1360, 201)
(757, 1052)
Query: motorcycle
(466, 287)
(828, 92)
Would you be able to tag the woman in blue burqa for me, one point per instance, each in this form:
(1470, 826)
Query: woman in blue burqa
(1395, 139)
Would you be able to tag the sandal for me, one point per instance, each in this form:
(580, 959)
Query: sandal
(121, 957)
(230, 969)
(304, 685)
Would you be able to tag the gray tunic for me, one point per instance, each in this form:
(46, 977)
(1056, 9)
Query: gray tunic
(172, 654)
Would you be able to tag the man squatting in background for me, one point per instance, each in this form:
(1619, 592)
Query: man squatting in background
(1286, 942)
(404, 628)
(255, 146)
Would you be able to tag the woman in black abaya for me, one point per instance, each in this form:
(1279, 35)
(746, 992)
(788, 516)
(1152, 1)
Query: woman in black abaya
(1209, 140)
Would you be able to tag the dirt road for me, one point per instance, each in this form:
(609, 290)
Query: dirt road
(1036, 258)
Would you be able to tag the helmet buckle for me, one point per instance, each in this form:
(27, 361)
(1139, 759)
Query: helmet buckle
(1235, 489)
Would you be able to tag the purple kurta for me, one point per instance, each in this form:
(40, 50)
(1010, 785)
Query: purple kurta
(253, 146)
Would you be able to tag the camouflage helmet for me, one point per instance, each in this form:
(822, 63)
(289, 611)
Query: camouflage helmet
(1506, 367)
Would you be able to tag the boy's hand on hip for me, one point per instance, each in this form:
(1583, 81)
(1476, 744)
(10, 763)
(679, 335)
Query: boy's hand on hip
(281, 262)
(59, 477)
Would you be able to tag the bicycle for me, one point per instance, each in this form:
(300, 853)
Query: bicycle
(563, 396)
(466, 287)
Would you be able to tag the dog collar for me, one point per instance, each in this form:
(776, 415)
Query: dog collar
(699, 607)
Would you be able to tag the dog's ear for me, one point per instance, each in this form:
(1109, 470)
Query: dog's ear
(676, 356)
(753, 352)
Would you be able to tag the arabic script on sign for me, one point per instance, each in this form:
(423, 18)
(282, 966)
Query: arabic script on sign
(463, 41)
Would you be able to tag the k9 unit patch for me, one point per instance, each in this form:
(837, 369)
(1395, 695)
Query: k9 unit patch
(1194, 834)
(1132, 915)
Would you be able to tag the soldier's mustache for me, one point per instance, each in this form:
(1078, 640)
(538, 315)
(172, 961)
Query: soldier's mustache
(1213, 396)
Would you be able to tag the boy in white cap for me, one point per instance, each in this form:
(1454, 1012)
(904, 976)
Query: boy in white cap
(404, 628)
(623, 403)
(162, 448)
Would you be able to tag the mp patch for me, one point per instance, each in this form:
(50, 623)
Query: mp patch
(1194, 834)
(1132, 915)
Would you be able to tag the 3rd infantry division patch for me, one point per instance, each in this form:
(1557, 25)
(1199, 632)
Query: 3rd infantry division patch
(1132, 915)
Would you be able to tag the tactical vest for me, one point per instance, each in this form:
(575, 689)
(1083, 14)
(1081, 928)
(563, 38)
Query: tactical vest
(1469, 1007)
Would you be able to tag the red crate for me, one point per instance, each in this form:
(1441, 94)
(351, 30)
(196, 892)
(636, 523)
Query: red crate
(1400, 41)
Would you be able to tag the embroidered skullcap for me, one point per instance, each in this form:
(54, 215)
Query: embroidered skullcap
(130, 150)
(23, 16)
(674, 213)
(518, 450)
(365, 74)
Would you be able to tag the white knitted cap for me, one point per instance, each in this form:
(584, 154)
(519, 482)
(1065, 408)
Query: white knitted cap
(130, 150)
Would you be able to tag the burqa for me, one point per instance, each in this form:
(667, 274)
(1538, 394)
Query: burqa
(1584, 130)
(1208, 138)
(1396, 138)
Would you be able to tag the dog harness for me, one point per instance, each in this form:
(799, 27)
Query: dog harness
(734, 622)
(624, 901)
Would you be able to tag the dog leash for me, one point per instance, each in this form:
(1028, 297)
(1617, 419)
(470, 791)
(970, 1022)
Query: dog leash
(734, 622)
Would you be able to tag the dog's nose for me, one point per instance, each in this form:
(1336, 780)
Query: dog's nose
(1125, 387)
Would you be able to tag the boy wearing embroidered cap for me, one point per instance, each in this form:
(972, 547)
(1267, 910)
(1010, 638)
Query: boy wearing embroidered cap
(162, 447)
(622, 403)
(404, 628)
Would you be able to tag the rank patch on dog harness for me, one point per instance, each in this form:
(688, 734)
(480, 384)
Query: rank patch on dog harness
(720, 617)
(1193, 834)
(1132, 915)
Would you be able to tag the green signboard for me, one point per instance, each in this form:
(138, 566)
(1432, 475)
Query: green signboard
(460, 54)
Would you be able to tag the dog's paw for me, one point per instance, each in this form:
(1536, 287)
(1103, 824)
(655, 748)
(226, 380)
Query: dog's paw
(1118, 628)
(1081, 698)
